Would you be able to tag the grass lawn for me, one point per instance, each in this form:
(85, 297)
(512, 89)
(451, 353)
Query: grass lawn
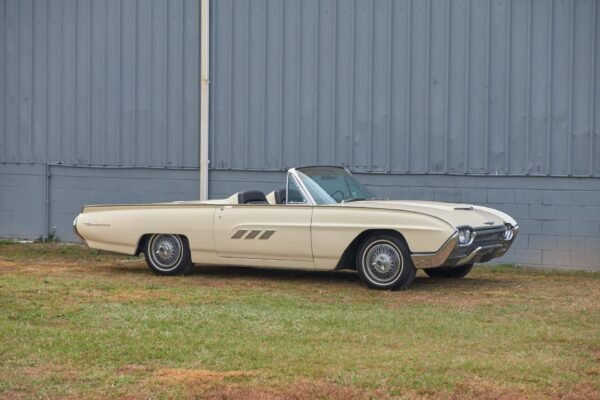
(76, 323)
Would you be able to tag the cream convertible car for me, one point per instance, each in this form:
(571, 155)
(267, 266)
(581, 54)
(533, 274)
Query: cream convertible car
(324, 219)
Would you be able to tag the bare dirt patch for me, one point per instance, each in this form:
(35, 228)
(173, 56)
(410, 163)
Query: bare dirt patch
(132, 369)
(49, 370)
(180, 375)
(482, 389)
(578, 392)
(295, 391)
(215, 385)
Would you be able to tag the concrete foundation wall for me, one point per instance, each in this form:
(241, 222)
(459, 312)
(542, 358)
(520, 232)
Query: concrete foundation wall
(23, 194)
(559, 217)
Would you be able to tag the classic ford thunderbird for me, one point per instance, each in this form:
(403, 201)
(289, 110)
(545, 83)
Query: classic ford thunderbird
(324, 219)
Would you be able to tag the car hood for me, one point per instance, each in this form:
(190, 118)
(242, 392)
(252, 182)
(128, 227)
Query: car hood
(455, 214)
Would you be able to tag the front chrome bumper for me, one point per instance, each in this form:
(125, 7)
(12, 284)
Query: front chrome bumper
(452, 255)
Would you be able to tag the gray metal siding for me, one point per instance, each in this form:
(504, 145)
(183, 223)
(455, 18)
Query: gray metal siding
(400, 91)
(432, 86)
(99, 82)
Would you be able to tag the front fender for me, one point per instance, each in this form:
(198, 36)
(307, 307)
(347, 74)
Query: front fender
(333, 229)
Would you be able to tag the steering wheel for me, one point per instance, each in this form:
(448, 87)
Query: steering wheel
(338, 195)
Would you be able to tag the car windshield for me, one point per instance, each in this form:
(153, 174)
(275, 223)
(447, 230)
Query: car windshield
(331, 185)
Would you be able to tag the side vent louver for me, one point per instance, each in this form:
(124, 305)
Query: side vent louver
(239, 234)
(266, 235)
(252, 234)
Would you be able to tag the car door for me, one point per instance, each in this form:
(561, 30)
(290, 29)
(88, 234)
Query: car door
(264, 231)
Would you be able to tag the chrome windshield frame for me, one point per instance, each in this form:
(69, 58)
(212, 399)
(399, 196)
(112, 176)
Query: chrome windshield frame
(295, 175)
(292, 173)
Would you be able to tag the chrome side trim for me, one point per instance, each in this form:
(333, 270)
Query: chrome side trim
(431, 260)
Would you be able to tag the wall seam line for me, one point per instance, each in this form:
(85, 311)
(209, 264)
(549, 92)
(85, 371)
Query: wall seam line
(486, 153)
(281, 89)
(549, 87)
(247, 86)
(447, 87)
(389, 95)
(570, 95)
(334, 83)
(230, 113)
(265, 83)
(316, 89)
(90, 83)
(182, 146)
(592, 87)
(427, 132)
(528, 89)
(32, 151)
(76, 77)
(467, 91)
(353, 99)
(507, 91)
(371, 87)
(298, 87)
(408, 83)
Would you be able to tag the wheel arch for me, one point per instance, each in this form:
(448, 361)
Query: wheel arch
(141, 244)
(348, 258)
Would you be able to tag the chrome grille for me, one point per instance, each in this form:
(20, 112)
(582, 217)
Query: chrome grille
(486, 237)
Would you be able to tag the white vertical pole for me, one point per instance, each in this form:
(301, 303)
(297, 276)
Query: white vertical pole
(204, 95)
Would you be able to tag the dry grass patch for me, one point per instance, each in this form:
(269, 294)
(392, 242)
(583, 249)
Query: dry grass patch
(190, 376)
(214, 385)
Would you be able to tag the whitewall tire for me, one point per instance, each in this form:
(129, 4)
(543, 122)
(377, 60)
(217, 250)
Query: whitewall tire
(168, 254)
(383, 262)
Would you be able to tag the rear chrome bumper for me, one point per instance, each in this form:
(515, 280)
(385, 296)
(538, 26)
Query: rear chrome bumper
(76, 231)
(452, 255)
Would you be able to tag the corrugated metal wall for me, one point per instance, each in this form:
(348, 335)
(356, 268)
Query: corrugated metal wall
(405, 87)
(99, 82)
(417, 86)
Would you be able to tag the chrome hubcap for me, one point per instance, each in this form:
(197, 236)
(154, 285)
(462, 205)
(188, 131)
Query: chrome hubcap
(383, 263)
(164, 250)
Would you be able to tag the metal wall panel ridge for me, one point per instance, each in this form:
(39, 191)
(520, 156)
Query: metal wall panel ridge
(419, 86)
(107, 82)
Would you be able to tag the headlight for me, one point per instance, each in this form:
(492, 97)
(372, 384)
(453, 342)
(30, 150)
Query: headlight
(509, 232)
(465, 236)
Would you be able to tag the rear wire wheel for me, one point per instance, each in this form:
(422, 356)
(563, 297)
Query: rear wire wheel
(384, 263)
(168, 254)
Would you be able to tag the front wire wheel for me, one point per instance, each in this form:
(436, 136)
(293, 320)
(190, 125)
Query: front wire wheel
(383, 262)
(168, 254)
